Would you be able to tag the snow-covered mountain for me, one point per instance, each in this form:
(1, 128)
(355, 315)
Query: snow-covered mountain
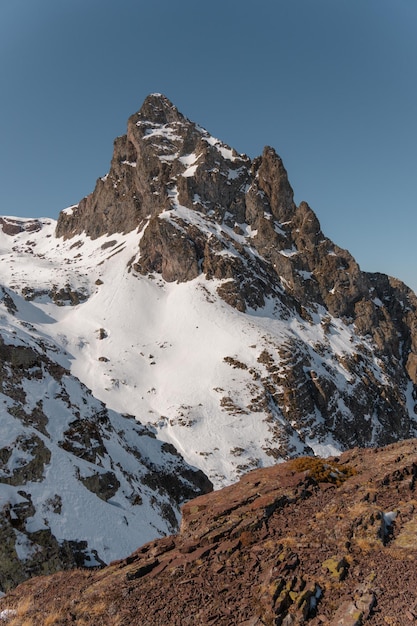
(185, 316)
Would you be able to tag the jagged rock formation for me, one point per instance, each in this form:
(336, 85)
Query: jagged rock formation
(202, 209)
(323, 543)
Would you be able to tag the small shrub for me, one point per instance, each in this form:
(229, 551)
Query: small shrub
(54, 619)
(323, 471)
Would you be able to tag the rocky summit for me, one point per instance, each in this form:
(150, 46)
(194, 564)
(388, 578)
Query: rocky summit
(182, 325)
(310, 541)
(202, 210)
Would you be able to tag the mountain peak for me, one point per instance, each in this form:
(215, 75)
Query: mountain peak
(162, 157)
(158, 109)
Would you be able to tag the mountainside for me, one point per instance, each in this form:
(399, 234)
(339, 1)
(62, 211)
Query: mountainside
(305, 542)
(79, 484)
(190, 293)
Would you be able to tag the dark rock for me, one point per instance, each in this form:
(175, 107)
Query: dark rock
(12, 226)
(104, 485)
(167, 250)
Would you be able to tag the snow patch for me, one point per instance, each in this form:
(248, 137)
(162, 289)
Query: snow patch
(70, 210)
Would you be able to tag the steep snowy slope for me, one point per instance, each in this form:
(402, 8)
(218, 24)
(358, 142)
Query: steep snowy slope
(173, 355)
(79, 484)
(203, 374)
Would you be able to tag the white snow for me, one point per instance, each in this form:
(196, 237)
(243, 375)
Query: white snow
(305, 275)
(7, 614)
(70, 210)
(387, 522)
(226, 152)
(24, 547)
(166, 131)
(233, 174)
(289, 252)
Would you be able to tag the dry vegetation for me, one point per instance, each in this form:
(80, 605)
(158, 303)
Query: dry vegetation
(323, 470)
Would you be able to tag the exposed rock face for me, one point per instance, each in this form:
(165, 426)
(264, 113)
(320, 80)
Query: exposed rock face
(12, 226)
(304, 542)
(202, 209)
(146, 162)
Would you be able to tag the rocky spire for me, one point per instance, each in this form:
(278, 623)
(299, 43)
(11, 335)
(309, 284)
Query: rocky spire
(162, 155)
(203, 208)
(157, 109)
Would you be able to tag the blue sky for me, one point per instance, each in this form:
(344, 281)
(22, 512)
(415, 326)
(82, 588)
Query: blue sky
(330, 84)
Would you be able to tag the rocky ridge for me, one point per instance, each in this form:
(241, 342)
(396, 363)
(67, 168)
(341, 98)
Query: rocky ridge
(321, 542)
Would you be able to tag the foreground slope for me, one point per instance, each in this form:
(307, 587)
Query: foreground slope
(308, 541)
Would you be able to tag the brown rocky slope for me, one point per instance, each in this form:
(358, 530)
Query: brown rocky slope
(319, 542)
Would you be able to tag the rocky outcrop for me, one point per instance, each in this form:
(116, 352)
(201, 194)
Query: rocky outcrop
(12, 226)
(169, 251)
(160, 147)
(320, 542)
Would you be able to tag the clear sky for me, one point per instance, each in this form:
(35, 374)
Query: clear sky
(330, 84)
